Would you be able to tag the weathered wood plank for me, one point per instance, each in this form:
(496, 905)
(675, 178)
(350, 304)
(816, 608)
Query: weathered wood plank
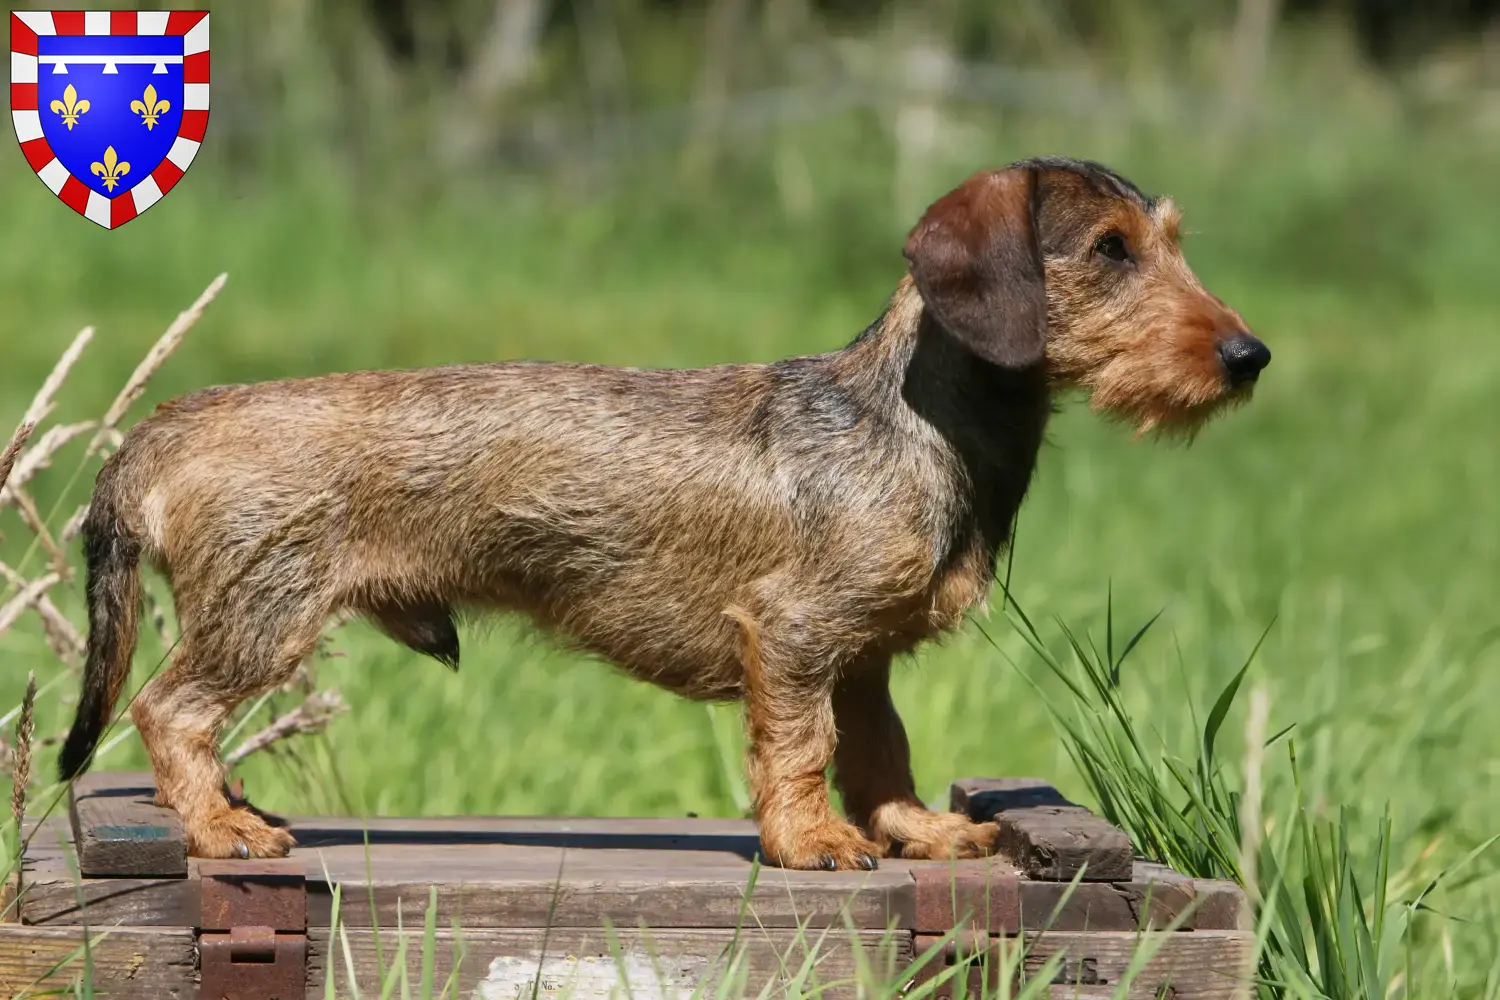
(520, 872)
(1047, 836)
(126, 902)
(487, 886)
(495, 902)
(501, 872)
(982, 895)
(127, 963)
(52, 890)
(738, 837)
(496, 964)
(1184, 965)
(119, 830)
(1221, 906)
(696, 879)
(586, 899)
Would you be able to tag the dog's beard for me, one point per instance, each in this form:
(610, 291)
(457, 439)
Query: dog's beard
(1178, 423)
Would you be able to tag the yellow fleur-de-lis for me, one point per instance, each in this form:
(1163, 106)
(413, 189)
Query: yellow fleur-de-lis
(70, 107)
(150, 109)
(111, 170)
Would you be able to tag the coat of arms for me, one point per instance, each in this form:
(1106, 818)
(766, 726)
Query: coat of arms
(110, 106)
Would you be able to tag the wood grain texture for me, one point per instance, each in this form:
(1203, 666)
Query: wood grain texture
(128, 963)
(1154, 898)
(515, 872)
(495, 963)
(1046, 836)
(982, 894)
(1185, 965)
(582, 898)
(508, 873)
(1221, 906)
(53, 891)
(119, 830)
(671, 873)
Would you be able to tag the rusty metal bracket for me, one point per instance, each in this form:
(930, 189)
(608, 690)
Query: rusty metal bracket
(252, 941)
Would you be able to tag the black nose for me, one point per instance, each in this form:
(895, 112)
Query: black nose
(1243, 357)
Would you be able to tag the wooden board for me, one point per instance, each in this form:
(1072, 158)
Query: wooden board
(501, 873)
(147, 964)
(1182, 965)
(484, 878)
(1185, 965)
(496, 964)
(527, 904)
(128, 963)
(120, 830)
(1104, 906)
(1046, 836)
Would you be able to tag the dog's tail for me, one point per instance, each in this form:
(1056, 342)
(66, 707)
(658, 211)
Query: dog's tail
(113, 555)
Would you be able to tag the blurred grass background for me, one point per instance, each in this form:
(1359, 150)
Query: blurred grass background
(676, 183)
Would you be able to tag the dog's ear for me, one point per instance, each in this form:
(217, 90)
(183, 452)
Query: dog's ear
(975, 259)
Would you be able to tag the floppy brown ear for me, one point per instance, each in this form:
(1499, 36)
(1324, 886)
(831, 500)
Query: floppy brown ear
(975, 259)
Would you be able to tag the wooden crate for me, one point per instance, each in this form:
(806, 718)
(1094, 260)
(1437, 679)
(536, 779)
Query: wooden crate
(585, 904)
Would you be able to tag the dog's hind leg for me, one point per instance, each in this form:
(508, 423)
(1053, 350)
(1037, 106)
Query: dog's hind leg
(872, 769)
(252, 642)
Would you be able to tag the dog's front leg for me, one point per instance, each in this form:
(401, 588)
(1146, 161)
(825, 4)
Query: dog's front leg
(789, 711)
(872, 767)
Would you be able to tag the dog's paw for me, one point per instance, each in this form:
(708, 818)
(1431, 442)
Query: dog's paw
(237, 833)
(934, 836)
(829, 847)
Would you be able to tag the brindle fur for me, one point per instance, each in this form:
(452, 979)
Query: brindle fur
(772, 533)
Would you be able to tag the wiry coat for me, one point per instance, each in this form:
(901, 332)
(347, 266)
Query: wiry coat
(768, 532)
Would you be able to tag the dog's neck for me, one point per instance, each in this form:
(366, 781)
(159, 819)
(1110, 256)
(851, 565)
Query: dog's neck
(907, 360)
(991, 419)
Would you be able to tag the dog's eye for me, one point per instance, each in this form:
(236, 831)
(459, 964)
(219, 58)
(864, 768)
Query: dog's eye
(1112, 246)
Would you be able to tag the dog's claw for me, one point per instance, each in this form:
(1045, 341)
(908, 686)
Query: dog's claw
(242, 850)
(868, 863)
(827, 863)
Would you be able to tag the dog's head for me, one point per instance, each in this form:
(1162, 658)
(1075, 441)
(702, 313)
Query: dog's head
(1066, 264)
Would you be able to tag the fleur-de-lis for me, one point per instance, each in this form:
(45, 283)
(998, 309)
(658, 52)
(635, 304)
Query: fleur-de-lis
(70, 107)
(150, 109)
(111, 170)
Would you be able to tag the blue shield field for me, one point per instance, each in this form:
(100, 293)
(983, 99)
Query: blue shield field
(110, 107)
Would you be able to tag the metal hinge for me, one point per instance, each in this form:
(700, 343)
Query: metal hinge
(252, 940)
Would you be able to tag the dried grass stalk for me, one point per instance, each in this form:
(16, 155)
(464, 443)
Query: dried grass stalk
(155, 358)
(111, 443)
(29, 595)
(34, 521)
(312, 716)
(42, 404)
(39, 457)
(62, 636)
(21, 772)
(17, 442)
(74, 525)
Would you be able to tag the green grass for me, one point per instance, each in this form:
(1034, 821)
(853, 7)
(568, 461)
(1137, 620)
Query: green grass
(1349, 514)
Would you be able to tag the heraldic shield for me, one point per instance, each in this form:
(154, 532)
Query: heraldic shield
(110, 106)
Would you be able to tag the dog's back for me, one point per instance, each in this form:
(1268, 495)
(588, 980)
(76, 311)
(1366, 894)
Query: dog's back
(624, 508)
